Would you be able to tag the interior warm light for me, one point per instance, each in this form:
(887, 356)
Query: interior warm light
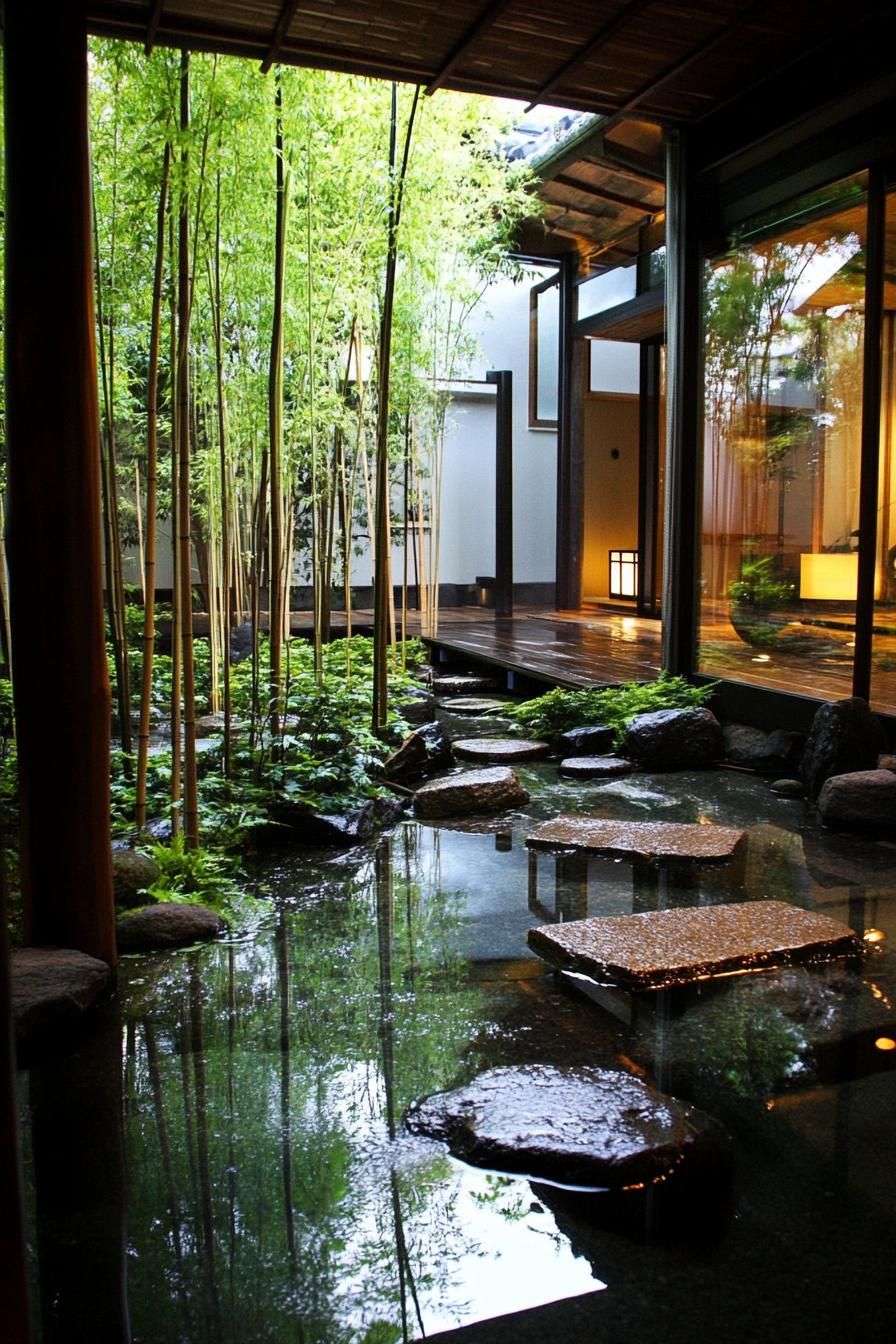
(830, 576)
(762, 658)
(874, 936)
(623, 574)
(885, 1043)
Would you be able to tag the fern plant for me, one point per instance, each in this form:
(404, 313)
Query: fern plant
(614, 707)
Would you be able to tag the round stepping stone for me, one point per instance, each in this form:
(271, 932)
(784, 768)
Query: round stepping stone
(594, 767)
(50, 987)
(499, 749)
(169, 924)
(470, 791)
(788, 788)
(471, 704)
(462, 684)
(583, 1127)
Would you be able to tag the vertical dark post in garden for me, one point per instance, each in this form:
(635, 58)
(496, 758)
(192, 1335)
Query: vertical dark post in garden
(503, 380)
(14, 1310)
(54, 539)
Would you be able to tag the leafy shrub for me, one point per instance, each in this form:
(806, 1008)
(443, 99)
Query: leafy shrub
(614, 707)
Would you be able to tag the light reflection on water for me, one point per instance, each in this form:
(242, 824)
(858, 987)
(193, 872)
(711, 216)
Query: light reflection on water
(271, 1191)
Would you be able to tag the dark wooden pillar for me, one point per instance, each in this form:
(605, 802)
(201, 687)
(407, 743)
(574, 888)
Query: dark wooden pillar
(14, 1308)
(684, 287)
(59, 660)
(572, 382)
(503, 379)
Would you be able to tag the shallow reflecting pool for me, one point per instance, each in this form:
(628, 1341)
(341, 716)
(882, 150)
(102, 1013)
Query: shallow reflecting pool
(266, 1189)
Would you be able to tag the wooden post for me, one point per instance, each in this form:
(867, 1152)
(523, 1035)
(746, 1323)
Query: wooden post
(503, 490)
(54, 538)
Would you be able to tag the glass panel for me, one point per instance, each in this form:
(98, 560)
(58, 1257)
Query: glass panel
(606, 291)
(883, 655)
(614, 367)
(783, 419)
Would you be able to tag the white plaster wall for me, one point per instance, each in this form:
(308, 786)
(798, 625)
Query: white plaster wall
(501, 325)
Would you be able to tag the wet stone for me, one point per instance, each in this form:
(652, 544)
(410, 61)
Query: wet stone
(417, 706)
(462, 684)
(471, 704)
(594, 741)
(132, 873)
(156, 927)
(50, 987)
(788, 788)
(682, 946)
(862, 800)
(591, 1128)
(499, 749)
(423, 751)
(638, 839)
(845, 737)
(593, 767)
(470, 791)
(674, 739)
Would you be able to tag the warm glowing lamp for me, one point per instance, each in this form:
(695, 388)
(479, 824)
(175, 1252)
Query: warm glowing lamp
(831, 576)
(623, 574)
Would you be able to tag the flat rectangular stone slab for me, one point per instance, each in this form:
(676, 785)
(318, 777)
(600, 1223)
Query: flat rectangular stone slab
(678, 947)
(638, 839)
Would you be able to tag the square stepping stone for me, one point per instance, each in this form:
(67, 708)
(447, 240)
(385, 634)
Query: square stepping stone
(638, 839)
(679, 947)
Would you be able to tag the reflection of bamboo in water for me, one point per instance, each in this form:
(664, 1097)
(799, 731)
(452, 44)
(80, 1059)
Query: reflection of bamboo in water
(283, 992)
(384, 925)
(208, 1231)
(155, 1081)
(231, 1110)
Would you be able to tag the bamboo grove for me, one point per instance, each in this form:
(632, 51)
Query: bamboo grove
(285, 265)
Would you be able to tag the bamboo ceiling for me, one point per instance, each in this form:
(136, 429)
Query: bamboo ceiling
(667, 60)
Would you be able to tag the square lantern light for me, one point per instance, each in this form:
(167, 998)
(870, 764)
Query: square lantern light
(623, 574)
(829, 576)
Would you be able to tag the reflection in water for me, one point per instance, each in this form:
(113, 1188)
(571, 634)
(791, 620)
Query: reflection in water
(272, 1192)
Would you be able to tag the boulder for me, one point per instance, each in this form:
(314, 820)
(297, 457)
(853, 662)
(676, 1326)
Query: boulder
(50, 987)
(845, 736)
(594, 767)
(581, 1127)
(674, 739)
(169, 924)
(339, 830)
(500, 749)
(470, 791)
(861, 800)
(427, 749)
(775, 753)
(594, 741)
(132, 874)
(241, 640)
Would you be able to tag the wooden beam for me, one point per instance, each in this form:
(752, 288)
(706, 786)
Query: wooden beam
(591, 47)
(487, 19)
(280, 30)
(152, 27)
(54, 535)
(614, 197)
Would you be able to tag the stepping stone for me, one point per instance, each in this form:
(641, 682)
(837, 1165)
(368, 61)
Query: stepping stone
(471, 704)
(169, 924)
(586, 1127)
(50, 987)
(462, 684)
(500, 749)
(662, 840)
(594, 767)
(470, 791)
(678, 947)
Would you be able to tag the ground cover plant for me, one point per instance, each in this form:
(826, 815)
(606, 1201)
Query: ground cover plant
(559, 710)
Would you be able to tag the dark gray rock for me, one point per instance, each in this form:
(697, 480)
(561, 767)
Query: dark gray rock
(132, 873)
(582, 1127)
(416, 705)
(470, 791)
(674, 739)
(465, 683)
(507, 749)
(594, 741)
(241, 640)
(50, 987)
(594, 767)
(788, 788)
(337, 830)
(845, 736)
(169, 924)
(775, 753)
(425, 750)
(861, 800)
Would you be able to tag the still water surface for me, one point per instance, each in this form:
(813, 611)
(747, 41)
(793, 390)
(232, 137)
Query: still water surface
(266, 1191)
